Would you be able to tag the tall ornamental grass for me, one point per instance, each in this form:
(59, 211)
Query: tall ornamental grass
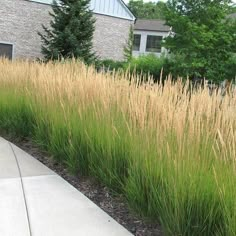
(170, 154)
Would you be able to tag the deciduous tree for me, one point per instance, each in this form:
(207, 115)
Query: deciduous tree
(203, 37)
(147, 10)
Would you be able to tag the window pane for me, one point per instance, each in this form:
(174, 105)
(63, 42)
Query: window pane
(153, 43)
(6, 50)
(137, 39)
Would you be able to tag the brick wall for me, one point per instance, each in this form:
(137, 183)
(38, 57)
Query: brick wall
(20, 20)
(110, 36)
(19, 23)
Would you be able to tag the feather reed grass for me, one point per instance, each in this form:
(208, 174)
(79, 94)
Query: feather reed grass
(171, 155)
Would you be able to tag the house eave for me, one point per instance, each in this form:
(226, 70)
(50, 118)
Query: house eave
(164, 31)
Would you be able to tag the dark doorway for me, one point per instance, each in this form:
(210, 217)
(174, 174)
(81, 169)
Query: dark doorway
(6, 50)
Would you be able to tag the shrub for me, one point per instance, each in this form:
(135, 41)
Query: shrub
(230, 68)
(147, 65)
(177, 65)
(109, 65)
(143, 66)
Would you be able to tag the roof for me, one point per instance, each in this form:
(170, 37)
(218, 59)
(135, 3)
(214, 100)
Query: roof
(151, 25)
(114, 8)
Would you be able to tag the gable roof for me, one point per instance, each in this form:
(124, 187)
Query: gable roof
(114, 8)
(151, 25)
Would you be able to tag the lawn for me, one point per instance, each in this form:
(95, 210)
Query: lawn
(171, 155)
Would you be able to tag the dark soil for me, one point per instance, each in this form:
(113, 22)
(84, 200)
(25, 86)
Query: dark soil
(115, 205)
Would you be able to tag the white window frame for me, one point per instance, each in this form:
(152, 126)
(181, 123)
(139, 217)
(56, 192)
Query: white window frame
(159, 50)
(144, 34)
(139, 42)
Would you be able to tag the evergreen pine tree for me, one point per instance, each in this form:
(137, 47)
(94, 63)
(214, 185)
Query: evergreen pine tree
(71, 31)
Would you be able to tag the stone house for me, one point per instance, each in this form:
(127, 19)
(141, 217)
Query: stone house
(148, 35)
(21, 20)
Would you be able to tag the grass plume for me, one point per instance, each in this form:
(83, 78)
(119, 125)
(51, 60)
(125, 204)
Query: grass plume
(172, 157)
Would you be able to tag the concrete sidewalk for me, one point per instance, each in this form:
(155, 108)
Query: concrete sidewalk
(36, 201)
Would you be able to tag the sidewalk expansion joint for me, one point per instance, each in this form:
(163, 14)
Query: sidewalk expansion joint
(23, 189)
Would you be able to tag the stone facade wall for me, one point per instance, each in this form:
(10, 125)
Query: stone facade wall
(20, 20)
(111, 36)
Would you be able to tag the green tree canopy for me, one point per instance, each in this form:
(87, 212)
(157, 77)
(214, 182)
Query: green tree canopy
(233, 8)
(148, 10)
(71, 31)
(203, 37)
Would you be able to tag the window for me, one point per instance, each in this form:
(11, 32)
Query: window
(6, 50)
(153, 43)
(137, 39)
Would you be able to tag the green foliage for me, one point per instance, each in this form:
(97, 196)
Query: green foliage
(233, 8)
(230, 67)
(203, 37)
(147, 10)
(128, 49)
(147, 65)
(177, 66)
(17, 119)
(71, 31)
(144, 66)
(174, 64)
(109, 65)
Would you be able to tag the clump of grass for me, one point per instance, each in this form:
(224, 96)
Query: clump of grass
(171, 156)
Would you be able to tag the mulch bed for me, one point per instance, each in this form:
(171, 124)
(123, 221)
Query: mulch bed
(113, 204)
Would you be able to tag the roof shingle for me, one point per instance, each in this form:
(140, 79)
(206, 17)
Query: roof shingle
(152, 25)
